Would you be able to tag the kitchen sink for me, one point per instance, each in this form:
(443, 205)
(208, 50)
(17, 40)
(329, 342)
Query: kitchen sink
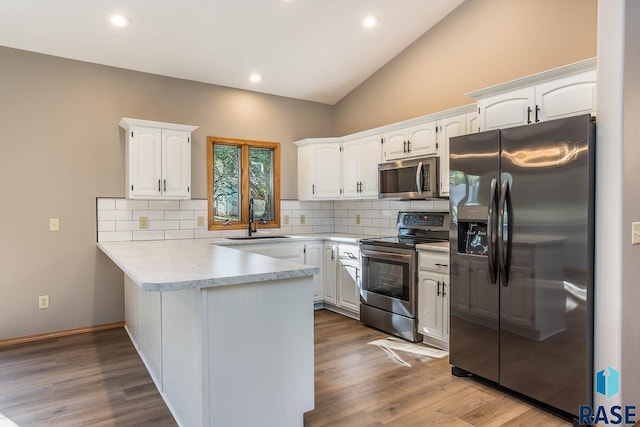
(258, 237)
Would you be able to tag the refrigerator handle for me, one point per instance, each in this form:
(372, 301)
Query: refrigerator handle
(419, 177)
(491, 235)
(504, 254)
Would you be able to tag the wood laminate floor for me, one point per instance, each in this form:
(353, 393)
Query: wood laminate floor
(97, 379)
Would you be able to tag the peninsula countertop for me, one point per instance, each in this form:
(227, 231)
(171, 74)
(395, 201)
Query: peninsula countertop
(172, 265)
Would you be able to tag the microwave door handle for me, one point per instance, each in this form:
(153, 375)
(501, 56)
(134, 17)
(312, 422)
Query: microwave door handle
(419, 177)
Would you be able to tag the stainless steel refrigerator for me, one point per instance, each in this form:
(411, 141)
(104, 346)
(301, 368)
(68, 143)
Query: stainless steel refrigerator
(522, 248)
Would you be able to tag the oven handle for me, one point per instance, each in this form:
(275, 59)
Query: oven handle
(369, 253)
(419, 177)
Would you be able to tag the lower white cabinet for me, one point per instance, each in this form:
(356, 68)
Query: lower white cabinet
(314, 256)
(348, 278)
(433, 298)
(330, 262)
(342, 278)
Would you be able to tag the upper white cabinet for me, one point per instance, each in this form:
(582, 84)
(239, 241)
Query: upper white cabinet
(553, 94)
(319, 169)
(360, 158)
(158, 159)
(413, 141)
(448, 127)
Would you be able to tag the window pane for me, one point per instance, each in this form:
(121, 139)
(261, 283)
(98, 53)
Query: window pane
(261, 183)
(226, 183)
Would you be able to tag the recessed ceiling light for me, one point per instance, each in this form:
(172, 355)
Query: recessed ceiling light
(255, 77)
(370, 21)
(120, 20)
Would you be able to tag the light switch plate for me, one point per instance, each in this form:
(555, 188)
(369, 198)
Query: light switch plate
(357, 218)
(286, 219)
(201, 221)
(301, 219)
(54, 224)
(635, 233)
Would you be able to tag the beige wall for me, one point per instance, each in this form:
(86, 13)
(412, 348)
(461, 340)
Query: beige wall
(62, 148)
(481, 43)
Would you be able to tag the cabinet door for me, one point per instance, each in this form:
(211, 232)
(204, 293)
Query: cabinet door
(313, 255)
(422, 139)
(450, 127)
(176, 164)
(395, 145)
(330, 253)
(430, 303)
(507, 109)
(445, 308)
(325, 167)
(351, 158)
(473, 122)
(145, 163)
(567, 96)
(347, 289)
(371, 156)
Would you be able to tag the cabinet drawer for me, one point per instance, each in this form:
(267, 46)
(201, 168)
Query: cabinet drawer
(436, 261)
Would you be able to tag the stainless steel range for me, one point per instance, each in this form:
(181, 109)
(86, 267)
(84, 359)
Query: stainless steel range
(389, 290)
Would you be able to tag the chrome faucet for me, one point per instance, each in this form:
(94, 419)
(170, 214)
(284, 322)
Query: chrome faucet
(251, 228)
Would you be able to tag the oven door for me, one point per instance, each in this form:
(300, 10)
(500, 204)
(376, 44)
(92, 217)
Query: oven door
(388, 279)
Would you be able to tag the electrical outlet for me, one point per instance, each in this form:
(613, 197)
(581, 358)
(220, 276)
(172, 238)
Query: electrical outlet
(301, 219)
(201, 221)
(143, 223)
(635, 233)
(43, 301)
(357, 218)
(285, 219)
(54, 224)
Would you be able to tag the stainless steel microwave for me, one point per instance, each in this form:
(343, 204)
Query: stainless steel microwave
(409, 179)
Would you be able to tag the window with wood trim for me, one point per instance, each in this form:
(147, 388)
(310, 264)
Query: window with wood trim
(240, 172)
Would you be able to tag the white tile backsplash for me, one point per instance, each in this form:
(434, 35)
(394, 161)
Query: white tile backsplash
(164, 205)
(132, 205)
(118, 219)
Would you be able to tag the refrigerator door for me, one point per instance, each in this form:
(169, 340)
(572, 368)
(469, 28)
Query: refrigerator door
(474, 162)
(546, 292)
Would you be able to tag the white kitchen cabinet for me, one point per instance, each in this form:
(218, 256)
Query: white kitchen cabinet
(158, 159)
(360, 159)
(319, 167)
(348, 278)
(418, 140)
(330, 266)
(433, 297)
(314, 256)
(553, 94)
(447, 128)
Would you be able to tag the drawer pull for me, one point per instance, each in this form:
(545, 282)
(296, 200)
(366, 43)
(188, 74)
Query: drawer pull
(442, 265)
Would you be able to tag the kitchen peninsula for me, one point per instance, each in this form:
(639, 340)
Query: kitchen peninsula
(226, 335)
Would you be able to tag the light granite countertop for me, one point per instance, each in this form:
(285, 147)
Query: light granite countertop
(333, 237)
(171, 265)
